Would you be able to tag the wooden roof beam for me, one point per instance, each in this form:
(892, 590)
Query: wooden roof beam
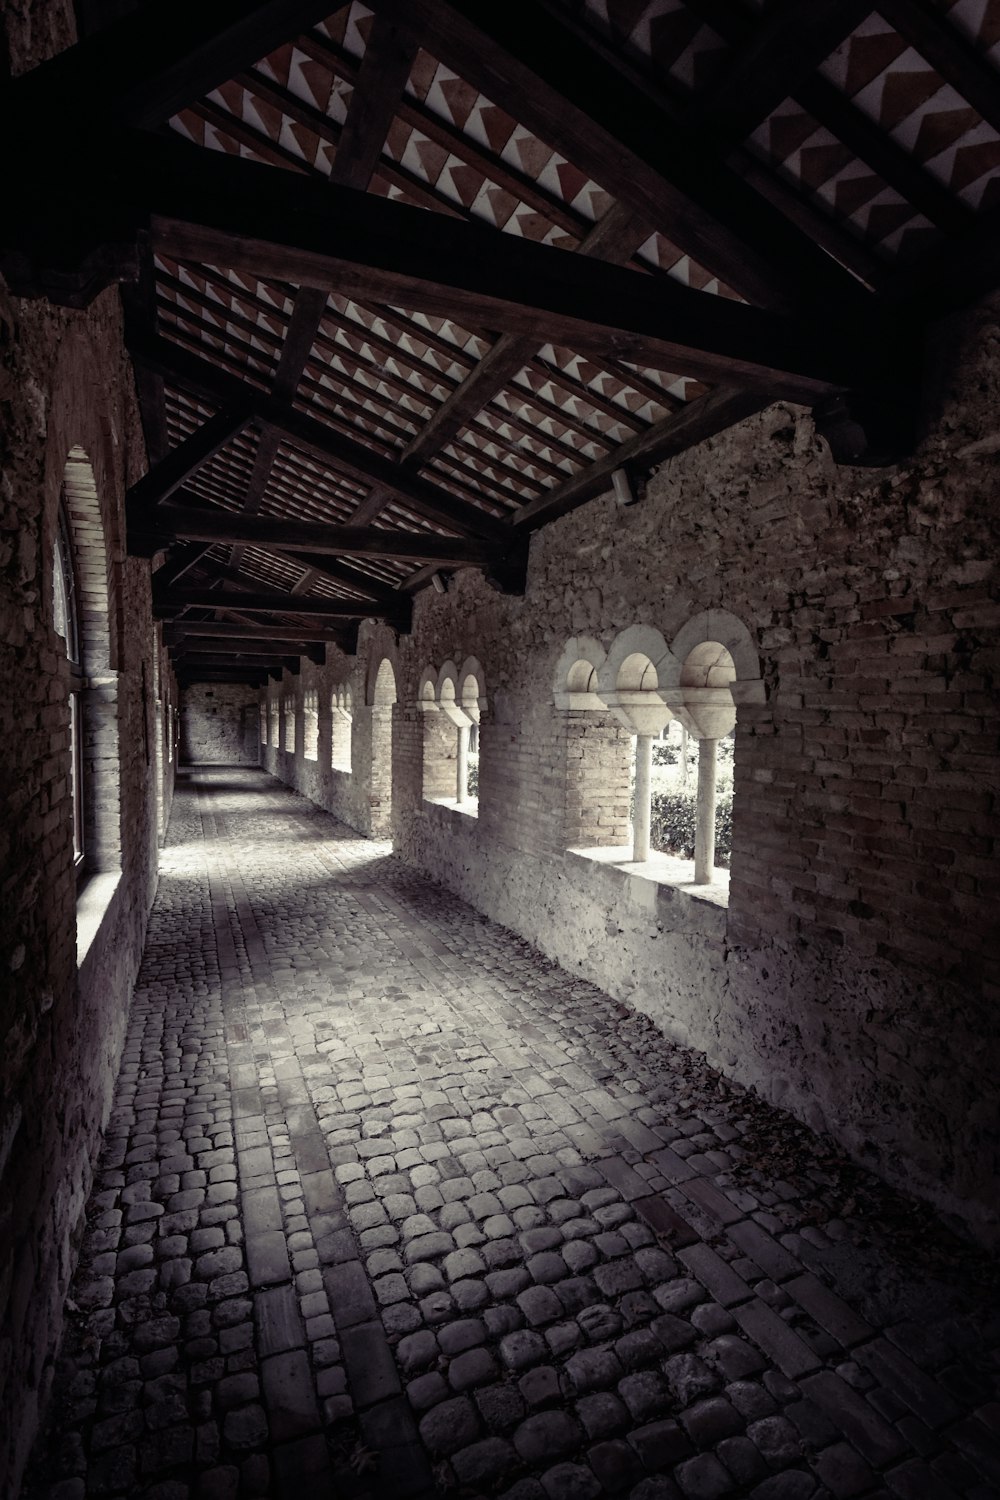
(201, 378)
(614, 238)
(234, 630)
(832, 109)
(207, 206)
(529, 61)
(319, 610)
(187, 458)
(177, 522)
(788, 42)
(146, 66)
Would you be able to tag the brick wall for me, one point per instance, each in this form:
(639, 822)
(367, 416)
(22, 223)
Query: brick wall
(219, 723)
(857, 976)
(62, 1024)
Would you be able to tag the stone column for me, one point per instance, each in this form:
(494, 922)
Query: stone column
(643, 768)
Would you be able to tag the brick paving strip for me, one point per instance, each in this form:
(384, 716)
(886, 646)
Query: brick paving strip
(391, 1206)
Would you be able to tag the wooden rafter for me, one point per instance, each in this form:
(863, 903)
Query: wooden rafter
(201, 378)
(146, 66)
(208, 207)
(702, 419)
(174, 523)
(925, 26)
(831, 108)
(527, 60)
(614, 239)
(788, 43)
(267, 603)
(234, 630)
(184, 460)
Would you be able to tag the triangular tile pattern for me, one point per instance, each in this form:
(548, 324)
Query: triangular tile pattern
(899, 90)
(979, 23)
(666, 33)
(458, 104)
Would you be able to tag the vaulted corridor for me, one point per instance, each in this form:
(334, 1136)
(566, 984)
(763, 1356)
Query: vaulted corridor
(390, 1205)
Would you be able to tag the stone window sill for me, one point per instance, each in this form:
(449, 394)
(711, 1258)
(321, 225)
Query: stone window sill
(92, 906)
(469, 809)
(662, 870)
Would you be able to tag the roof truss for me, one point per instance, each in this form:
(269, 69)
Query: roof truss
(347, 381)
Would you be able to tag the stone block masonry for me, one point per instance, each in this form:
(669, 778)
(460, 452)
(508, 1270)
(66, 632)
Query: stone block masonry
(852, 977)
(219, 724)
(391, 1207)
(69, 945)
(69, 942)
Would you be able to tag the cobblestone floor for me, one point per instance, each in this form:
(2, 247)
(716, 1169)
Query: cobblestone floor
(391, 1206)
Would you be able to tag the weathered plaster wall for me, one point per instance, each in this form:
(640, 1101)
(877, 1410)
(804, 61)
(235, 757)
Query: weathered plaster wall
(855, 976)
(219, 724)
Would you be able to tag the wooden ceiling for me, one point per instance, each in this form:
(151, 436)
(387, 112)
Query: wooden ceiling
(405, 280)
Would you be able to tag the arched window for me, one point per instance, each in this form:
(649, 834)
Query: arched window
(67, 624)
(595, 751)
(631, 683)
(83, 616)
(718, 671)
(263, 722)
(274, 714)
(341, 728)
(452, 703)
(290, 723)
(310, 725)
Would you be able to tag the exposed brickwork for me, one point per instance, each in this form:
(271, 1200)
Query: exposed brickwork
(220, 723)
(390, 1206)
(62, 1029)
(854, 978)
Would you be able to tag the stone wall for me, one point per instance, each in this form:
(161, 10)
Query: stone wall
(68, 955)
(219, 724)
(853, 977)
(361, 797)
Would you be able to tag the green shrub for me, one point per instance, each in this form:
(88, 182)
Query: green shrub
(673, 821)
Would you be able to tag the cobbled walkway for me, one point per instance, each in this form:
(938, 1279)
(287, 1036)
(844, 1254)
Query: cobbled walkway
(390, 1206)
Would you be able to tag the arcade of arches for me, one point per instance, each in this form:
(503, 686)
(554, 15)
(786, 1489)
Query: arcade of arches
(410, 1122)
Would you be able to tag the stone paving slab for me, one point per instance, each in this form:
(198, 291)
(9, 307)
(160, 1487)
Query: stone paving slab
(389, 1205)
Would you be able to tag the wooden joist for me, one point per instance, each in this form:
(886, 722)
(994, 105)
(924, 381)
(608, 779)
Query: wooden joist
(175, 522)
(236, 630)
(268, 603)
(221, 209)
(201, 378)
(531, 62)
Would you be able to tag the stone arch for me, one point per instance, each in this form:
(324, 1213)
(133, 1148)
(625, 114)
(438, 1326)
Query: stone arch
(427, 690)
(592, 749)
(729, 631)
(341, 728)
(574, 682)
(95, 779)
(472, 687)
(382, 683)
(639, 661)
(310, 724)
(718, 670)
